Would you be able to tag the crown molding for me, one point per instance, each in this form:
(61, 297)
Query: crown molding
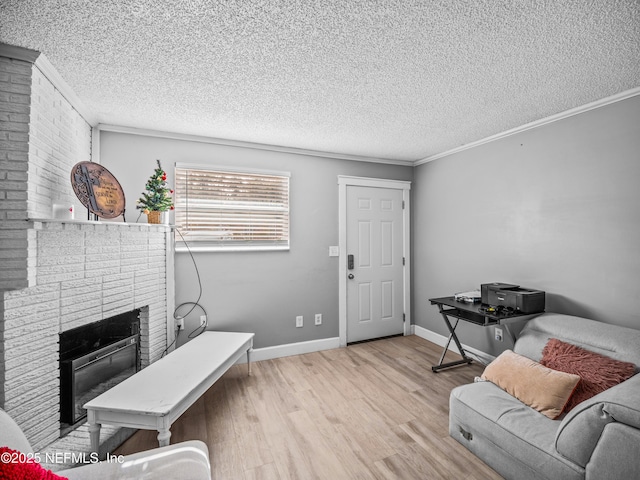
(538, 123)
(49, 71)
(257, 146)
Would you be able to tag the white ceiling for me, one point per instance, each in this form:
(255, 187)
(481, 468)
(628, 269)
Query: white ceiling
(390, 79)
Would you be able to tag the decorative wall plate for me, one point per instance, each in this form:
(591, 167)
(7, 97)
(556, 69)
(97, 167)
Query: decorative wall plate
(97, 189)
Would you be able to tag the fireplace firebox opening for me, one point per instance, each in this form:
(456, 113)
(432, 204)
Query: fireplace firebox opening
(95, 358)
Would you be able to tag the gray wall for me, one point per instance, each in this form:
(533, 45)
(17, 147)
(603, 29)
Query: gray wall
(259, 292)
(555, 208)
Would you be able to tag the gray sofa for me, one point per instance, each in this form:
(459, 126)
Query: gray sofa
(598, 439)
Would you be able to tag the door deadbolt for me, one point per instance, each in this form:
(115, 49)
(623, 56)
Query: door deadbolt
(349, 262)
(351, 277)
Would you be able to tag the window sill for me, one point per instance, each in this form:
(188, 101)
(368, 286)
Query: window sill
(235, 249)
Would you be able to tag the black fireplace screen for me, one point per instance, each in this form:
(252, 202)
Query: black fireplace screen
(94, 358)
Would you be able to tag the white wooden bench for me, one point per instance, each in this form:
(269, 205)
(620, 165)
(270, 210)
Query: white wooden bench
(156, 396)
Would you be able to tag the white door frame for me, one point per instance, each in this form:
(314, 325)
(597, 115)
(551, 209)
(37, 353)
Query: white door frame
(345, 181)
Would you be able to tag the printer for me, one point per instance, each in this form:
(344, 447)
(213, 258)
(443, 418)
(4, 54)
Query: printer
(523, 300)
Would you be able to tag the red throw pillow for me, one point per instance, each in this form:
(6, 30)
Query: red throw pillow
(597, 372)
(15, 465)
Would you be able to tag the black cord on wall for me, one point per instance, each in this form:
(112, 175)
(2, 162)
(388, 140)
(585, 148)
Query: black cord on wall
(202, 327)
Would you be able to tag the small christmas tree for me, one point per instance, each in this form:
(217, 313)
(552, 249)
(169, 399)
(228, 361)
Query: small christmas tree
(157, 198)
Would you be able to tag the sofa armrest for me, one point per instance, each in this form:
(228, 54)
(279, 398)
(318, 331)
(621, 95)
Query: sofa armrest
(11, 436)
(185, 460)
(615, 456)
(582, 429)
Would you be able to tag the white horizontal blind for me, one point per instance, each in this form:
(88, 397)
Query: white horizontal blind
(232, 210)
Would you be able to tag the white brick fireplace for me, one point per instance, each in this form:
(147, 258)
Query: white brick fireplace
(84, 273)
(57, 275)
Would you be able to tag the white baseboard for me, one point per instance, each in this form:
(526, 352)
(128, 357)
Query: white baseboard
(288, 349)
(441, 340)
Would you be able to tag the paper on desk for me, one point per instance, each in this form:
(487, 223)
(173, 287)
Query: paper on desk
(469, 297)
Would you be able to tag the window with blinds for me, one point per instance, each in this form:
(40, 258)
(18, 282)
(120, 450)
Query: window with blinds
(220, 209)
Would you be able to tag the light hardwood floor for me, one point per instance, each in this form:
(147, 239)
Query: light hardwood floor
(369, 411)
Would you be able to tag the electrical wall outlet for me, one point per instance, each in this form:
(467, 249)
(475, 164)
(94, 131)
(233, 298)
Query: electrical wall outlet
(299, 321)
(180, 323)
(203, 320)
(498, 334)
(318, 319)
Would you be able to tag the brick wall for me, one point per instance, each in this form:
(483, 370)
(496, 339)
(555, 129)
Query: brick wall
(57, 275)
(41, 137)
(59, 138)
(15, 97)
(85, 272)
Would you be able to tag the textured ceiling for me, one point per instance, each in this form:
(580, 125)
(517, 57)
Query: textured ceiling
(402, 80)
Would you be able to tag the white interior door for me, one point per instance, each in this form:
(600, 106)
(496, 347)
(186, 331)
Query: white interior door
(375, 271)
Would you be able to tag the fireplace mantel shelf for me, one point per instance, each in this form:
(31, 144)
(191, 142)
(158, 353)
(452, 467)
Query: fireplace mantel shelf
(154, 226)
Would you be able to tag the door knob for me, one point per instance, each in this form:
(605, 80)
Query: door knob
(351, 277)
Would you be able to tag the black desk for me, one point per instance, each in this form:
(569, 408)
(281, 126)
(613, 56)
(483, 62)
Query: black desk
(468, 312)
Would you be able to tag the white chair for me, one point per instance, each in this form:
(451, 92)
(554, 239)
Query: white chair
(185, 460)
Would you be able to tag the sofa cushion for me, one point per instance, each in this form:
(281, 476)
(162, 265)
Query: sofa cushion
(620, 343)
(597, 372)
(512, 438)
(535, 385)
